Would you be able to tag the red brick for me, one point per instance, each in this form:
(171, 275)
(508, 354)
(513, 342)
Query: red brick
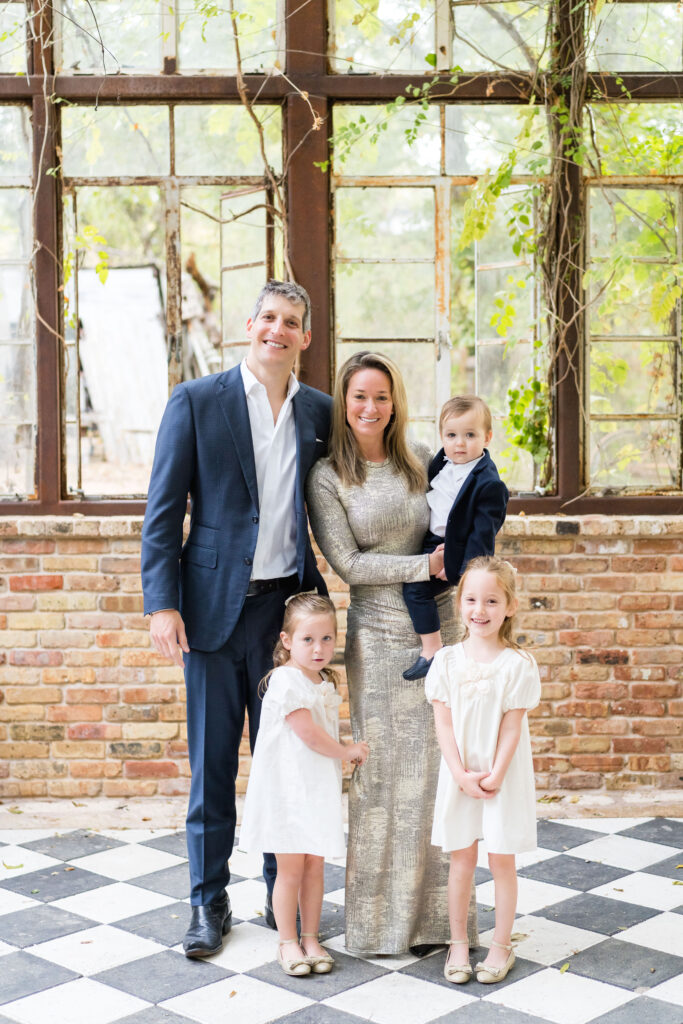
(602, 657)
(610, 582)
(150, 769)
(661, 727)
(597, 762)
(583, 566)
(643, 637)
(78, 713)
(18, 563)
(583, 709)
(92, 620)
(36, 657)
(638, 745)
(587, 638)
(148, 694)
(17, 602)
(92, 581)
(656, 545)
(93, 695)
(639, 708)
(36, 583)
(630, 673)
(655, 691)
(89, 546)
(577, 780)
(600, 691)
(94, 731)
(73, 788)
(638, 565)
(120, 564)
(129, 787)
(28, 547)
(644, 602)
(638, 763)
(122, 603)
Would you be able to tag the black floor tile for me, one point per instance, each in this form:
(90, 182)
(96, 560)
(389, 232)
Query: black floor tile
(174, 843)
(318, 1014)
(165, 924)
(153, 1015)
(625, 964)
(335, 877)
(348, 972)
(24, 974)
(162, 976)
(668, 831)
(574, 872)
(669, 868)
(643, 1011)
(596, 913)
(488, 1013)
(70, 845)
(39, 924)
(55, 883)
(553, 835)
(431, 969)
(173, 881)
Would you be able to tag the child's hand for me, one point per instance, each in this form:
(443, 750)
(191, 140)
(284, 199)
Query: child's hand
(490, 783)
(436, 561)
(357, 753)
(471, 784)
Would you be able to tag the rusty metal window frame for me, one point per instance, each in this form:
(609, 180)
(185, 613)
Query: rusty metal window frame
(310, 229)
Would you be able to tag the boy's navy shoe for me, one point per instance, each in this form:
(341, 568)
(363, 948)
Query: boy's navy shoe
(419, 668)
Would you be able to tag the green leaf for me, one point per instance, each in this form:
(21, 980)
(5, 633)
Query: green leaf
(431, 59)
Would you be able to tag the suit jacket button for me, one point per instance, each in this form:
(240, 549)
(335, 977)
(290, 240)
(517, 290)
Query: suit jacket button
(254, 519)
(247, 561)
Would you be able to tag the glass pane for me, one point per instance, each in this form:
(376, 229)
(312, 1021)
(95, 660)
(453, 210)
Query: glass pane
(205, 39)
(416, 363)
(385, 300)
(17, 459)
(17, 383)
(16, 303)
(626, 305)
(13, 19)
(633, 222)
(516, 466)
(224, 140)
(108, 36)
(637, 37)
(389, 35)
(385, 222)
(240, 288)
(388, 151)
(243, 241)
(488, 35)
(234, 354)
(15, 142)
(634, 454)
(632, 377)
(122, 336)
(462, 332)
(115, 141)
(15, 223)
(500, 367)
(200, 210)
(505, 304)
(479, 137)
(637, 138)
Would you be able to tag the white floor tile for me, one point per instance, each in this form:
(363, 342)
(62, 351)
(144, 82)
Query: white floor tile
(247, 898)
(532, 895)
(623, 852)
(113, 902)
(17, 860)
(397, 999)
(240, 1000)
(606, 825)
(95, 949)
(247, 865)
(390, 963)
(78, 1002)
(670, 991)
(4, 949)
(642, 889)
(522, 860)
(126, 862)
(134, 835)
(338, 897)
(247, 946)
(26, 835)
(544, 941)
(664, 932)
(12, 901)
(561, 998)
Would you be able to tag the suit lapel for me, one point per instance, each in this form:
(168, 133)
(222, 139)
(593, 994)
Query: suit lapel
(304, 425)
(233, 403)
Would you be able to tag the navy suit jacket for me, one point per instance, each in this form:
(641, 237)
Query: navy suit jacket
(204, 449)
(476, 515)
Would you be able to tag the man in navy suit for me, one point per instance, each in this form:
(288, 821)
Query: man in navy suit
(240, 444)
(467, 501)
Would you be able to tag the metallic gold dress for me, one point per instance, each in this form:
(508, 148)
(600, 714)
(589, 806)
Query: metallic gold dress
(395, 879)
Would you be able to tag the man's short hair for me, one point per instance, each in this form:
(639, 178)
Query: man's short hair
(289, 290)
(460, 404)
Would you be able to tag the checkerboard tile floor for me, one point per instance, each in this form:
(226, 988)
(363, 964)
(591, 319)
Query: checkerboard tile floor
(91, 925)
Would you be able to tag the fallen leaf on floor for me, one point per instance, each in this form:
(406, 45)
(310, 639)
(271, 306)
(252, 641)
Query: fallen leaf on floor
(233, 993)
(15, 810)
(11, 867)
(146, 819)
(564, 968)
(518, 936)
(34, 891)
(70, 869)
(76, 804)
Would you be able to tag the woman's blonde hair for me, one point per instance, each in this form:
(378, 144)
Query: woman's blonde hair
(297, 608)
(505, 575)
(346, 457)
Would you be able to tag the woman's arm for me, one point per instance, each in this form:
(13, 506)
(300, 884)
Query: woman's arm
(508, 738)
(315, 737)
(469, 782)
(335, 538)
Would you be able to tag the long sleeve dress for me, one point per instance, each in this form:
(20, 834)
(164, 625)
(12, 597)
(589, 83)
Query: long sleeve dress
(395, 879)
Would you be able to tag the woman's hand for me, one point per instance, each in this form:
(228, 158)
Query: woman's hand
(436, 561)
(357, 753)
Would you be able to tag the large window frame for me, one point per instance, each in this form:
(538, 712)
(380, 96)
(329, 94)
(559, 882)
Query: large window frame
(310, 228)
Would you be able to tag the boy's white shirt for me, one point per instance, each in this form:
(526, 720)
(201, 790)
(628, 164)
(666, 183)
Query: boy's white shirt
(446, 486)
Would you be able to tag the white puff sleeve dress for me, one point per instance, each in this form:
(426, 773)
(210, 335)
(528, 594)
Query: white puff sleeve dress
(293, 802)
(478, 695)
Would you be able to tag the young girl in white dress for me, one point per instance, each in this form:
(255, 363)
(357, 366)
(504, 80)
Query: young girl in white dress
(293, 806)
(481, 690)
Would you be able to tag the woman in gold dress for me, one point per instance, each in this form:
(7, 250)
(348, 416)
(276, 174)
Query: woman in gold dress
(368, 512)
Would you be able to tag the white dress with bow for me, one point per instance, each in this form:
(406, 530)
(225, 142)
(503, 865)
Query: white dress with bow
(478, 695)
(293, 802)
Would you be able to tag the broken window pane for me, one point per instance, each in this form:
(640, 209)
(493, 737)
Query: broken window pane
(389, 36)
(637, 37)
(479, 138)
(109, 36)
(500, 36)
(205, 36)
(633, 377)
(635, 138)
(116, 140)
(224, 140)
(634, 454)
(15, 143)
(376, 151)
(13, 21)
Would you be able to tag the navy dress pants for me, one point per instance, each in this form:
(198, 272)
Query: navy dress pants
(420, 597)
(220, 686)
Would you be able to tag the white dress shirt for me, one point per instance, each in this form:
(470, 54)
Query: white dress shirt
(446, 486)
(275, 458)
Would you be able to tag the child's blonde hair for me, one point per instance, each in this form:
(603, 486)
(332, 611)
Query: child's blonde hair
(297, 608)
(460, 404)
(505, 575)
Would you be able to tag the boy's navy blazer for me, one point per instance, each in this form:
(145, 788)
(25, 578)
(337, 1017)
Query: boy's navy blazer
(476, 515)
(204, 449)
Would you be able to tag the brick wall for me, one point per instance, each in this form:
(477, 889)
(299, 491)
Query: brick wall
(88, 709)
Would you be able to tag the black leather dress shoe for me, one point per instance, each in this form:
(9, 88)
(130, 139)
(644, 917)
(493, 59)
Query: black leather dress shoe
(268, 912)
(208, 926)
(419, 668)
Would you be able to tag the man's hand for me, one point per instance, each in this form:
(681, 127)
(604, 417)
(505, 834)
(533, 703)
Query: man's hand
(167, 632)
(436, 561)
